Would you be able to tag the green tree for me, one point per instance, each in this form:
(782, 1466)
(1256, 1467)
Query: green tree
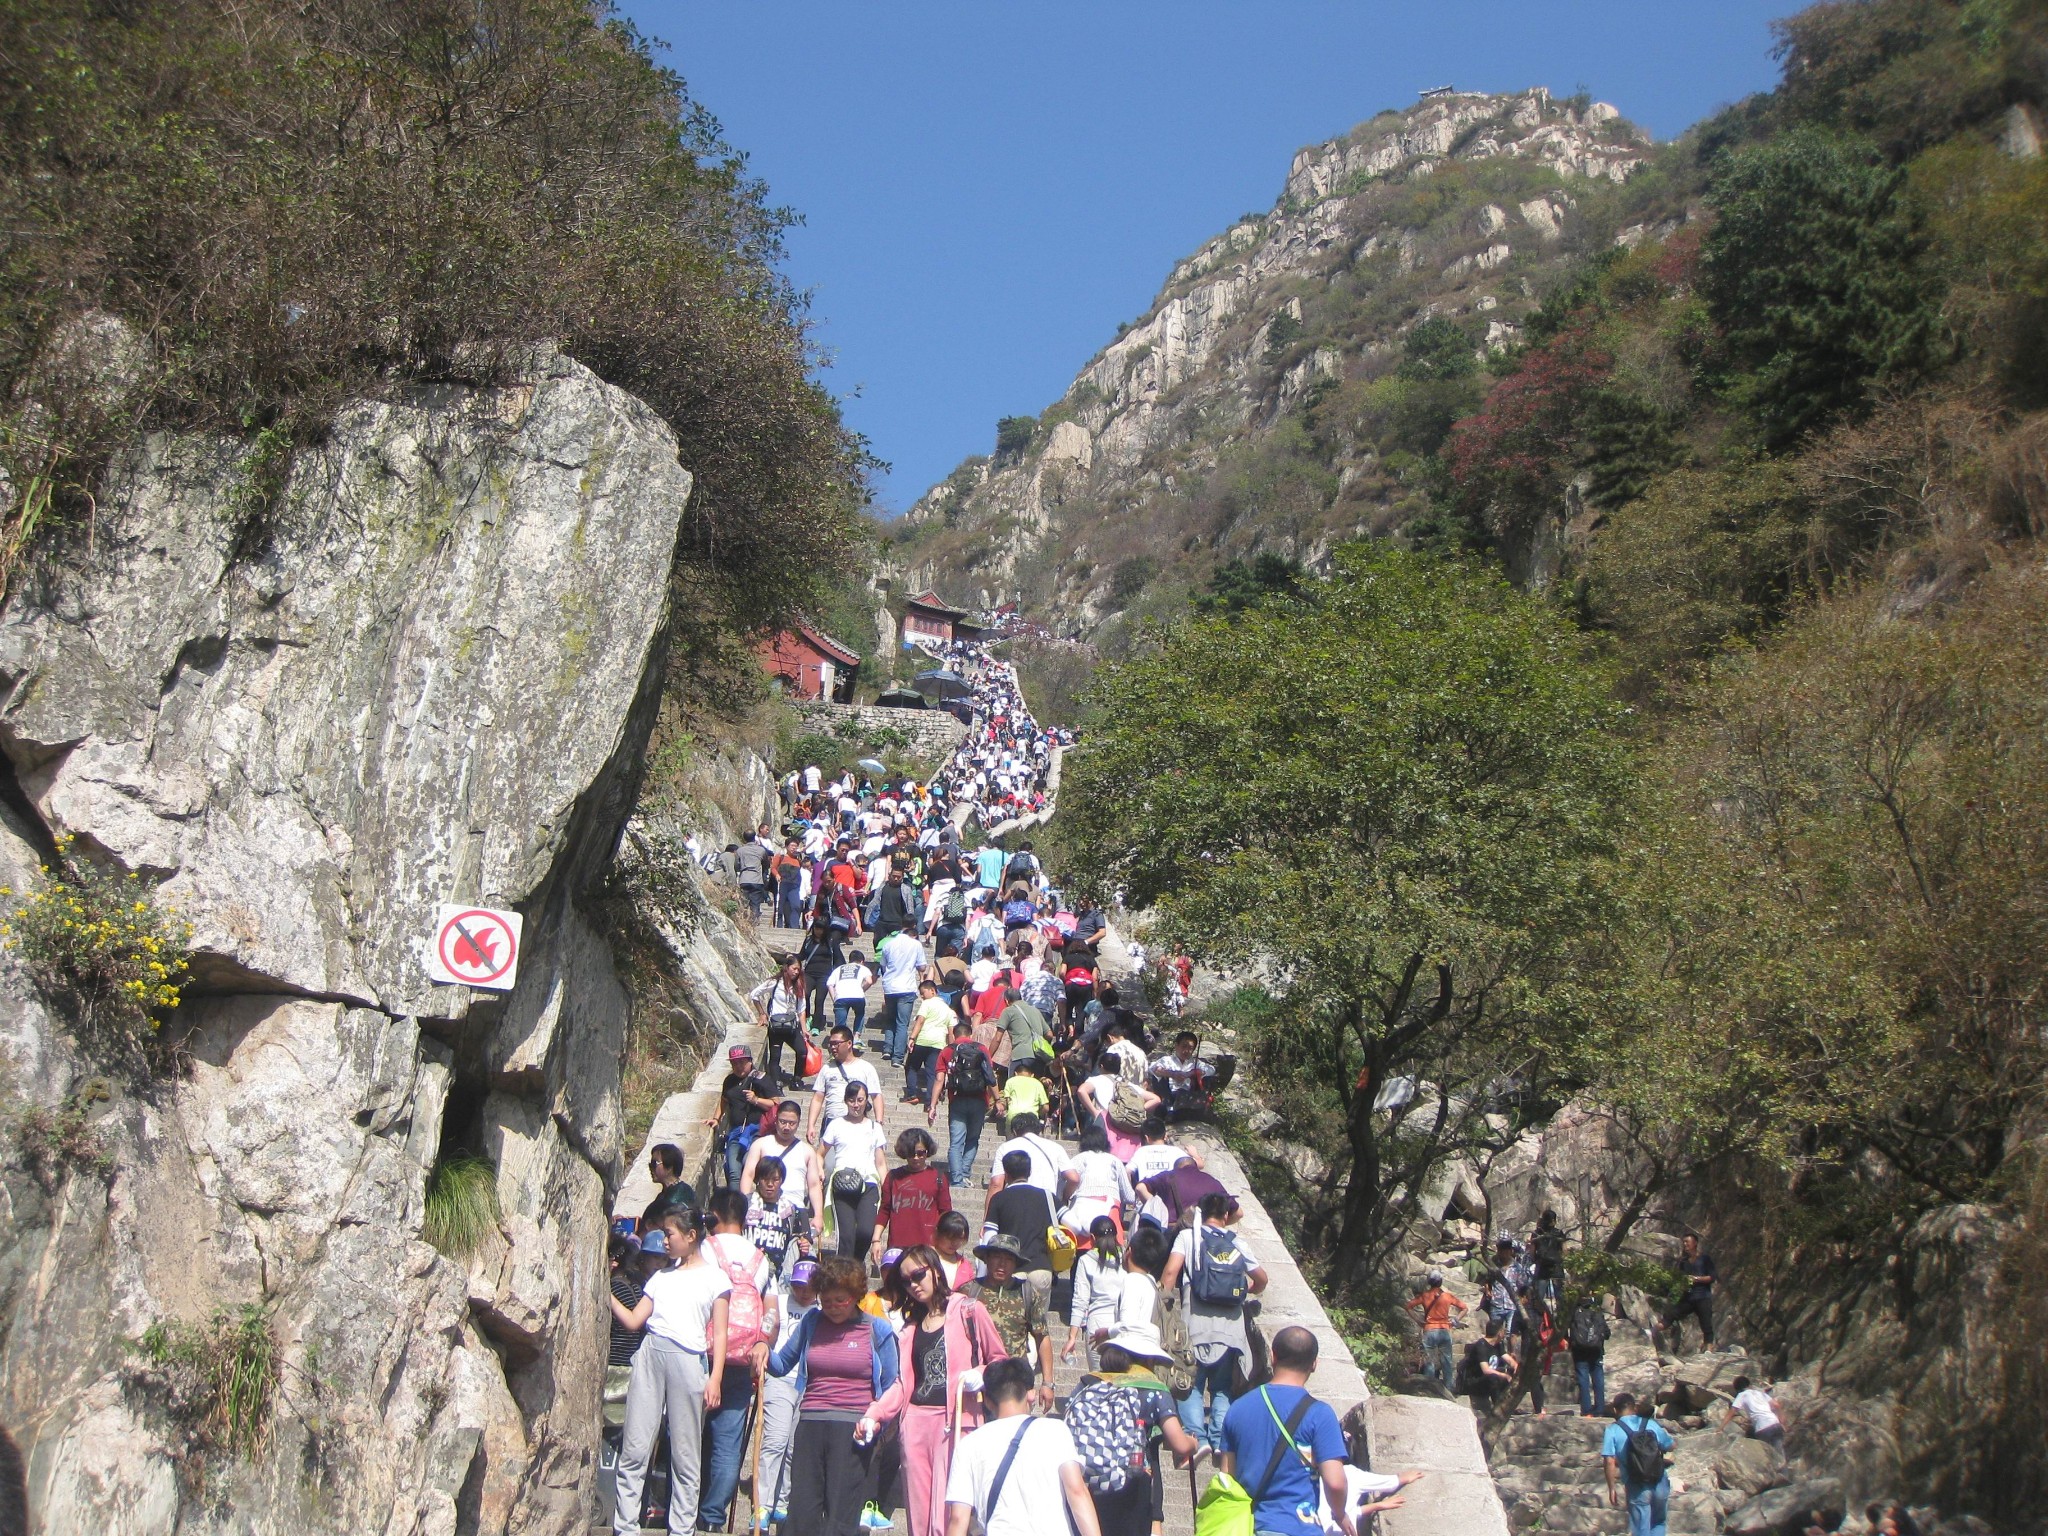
(1438, 348)
(1239, 584)
(1398, 793)
(1013, 435)
(1812, 273)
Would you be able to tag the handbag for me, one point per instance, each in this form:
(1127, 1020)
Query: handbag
(1226, 1508)
(1061, 1248)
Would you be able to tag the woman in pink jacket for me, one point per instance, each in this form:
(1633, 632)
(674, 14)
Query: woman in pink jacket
(945, 1342)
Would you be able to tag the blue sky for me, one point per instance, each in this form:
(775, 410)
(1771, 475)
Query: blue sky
(988, 189)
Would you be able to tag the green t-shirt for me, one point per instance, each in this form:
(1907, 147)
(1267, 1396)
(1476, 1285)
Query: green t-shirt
(1025, 1095)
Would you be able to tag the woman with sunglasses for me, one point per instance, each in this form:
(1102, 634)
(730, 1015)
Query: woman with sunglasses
(946, 1340)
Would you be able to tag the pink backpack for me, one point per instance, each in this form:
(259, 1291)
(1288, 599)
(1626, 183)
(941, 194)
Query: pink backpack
(744, 1311)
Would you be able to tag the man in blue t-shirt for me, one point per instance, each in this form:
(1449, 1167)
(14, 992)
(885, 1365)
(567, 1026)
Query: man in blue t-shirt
(1255, 1430)
(1649, 1503)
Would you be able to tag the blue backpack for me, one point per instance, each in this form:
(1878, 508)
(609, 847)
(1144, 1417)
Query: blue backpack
(1220, 1276)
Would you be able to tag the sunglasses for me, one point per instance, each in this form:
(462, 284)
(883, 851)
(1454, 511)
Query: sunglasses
(912, 1276)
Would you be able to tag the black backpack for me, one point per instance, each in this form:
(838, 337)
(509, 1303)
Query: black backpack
(1466, 1378)
(1550, 1250)
(1589, 1328)
(1642, 1455)
(969, 1075)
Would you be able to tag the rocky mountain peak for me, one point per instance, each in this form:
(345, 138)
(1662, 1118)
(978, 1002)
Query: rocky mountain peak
(1448, 208)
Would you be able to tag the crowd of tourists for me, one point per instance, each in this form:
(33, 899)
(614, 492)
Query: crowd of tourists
(1001, 771)
(890, 1349)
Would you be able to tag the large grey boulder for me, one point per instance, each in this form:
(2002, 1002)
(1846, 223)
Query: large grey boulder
(427, 676)
(406, 698)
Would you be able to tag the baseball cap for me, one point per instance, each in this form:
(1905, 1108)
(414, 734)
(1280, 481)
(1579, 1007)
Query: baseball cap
(655, 1242)
(803, 1272)
(739, 1053)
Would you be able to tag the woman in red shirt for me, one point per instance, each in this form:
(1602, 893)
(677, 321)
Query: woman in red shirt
(914, 1196)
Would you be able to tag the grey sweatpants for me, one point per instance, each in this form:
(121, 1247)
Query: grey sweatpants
(779, 1399)
(667, 1380)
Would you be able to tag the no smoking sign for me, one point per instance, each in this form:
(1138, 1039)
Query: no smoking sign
(475, 947)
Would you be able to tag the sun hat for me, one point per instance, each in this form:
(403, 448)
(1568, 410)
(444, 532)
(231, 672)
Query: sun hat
(1002, 1242)
(1140, 1341)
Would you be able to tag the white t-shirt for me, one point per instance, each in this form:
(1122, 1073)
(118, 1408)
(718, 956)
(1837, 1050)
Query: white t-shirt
(1034, 1501)
(1150, 1161)
(1048, 1161)
(682, 1303)
(1360, 1488)
(982, 974)
(833, 1079)
(1102, 1178)
(902, 959)
(1138, 1302)
(1756, 1403)
(853, 1145)
(850, 983)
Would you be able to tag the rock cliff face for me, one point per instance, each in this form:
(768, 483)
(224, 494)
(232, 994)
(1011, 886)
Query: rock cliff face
(428, 676)
(1461, 207)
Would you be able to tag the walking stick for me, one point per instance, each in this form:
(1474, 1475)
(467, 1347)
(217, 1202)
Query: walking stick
(732, 1508)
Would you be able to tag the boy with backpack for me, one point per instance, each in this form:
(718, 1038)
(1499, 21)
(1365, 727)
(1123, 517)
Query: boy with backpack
(1115, 1416)
(1635, 1451)
(1217, 1275)
(967, 1077)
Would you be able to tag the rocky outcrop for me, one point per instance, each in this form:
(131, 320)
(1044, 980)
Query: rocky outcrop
(1224, 356)
(424, 674)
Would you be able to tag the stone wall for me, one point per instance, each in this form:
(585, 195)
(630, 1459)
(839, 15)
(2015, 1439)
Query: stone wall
(933, 733)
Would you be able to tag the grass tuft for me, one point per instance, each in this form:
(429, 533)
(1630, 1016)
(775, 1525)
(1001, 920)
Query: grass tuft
(462, 1205)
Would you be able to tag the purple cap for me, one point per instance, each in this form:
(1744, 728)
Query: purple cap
(889, 1258)
(803, 1272)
